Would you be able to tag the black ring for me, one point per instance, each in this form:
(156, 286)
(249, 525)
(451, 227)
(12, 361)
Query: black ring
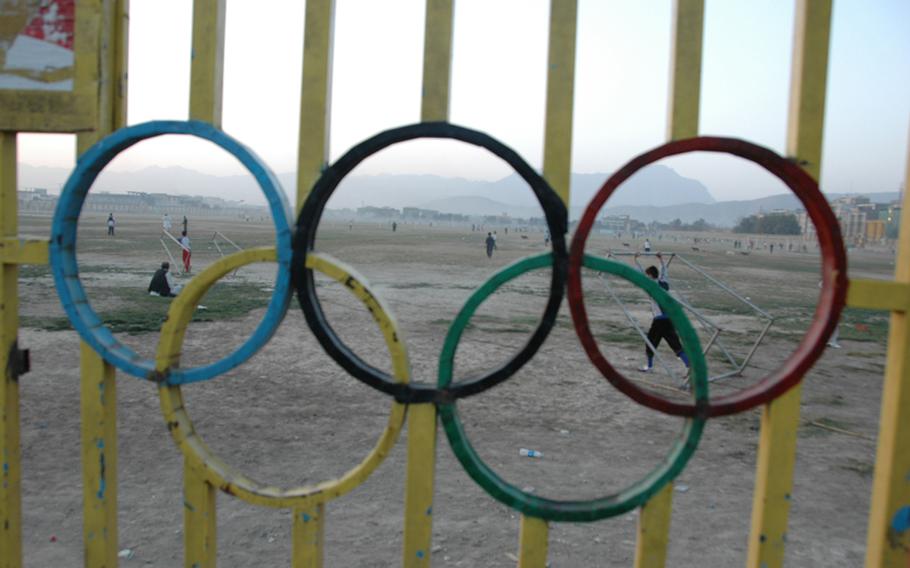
(555, 214)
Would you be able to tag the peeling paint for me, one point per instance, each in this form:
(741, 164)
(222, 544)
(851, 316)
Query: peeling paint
(102, 484)
(901, 521)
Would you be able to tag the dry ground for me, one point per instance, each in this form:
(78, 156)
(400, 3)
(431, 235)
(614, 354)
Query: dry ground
(292, 416)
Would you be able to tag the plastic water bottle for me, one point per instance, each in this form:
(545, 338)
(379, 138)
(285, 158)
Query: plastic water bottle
(529, 453)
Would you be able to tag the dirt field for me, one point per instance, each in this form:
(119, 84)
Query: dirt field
(291, 416)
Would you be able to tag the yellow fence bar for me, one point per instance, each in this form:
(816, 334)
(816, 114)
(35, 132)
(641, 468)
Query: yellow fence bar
(308, 533)
(533, 543)
(111, 73)
(315, 95)
(421, 468)
(685, 88)
(437, 60)
(780, 419)
(99, 460)
(557, 145)
(207, 69)
(774, 480)
(119, 63)
(23, 251)
(654, 530)
(200, 523)
(557, 169)
(98, 388)
(206, 81)
(11, 472)
(888, 543)
(808, 79)
(685, 71)
(418, 498)
(879, 295)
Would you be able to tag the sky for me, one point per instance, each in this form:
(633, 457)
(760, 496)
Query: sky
(499, 83)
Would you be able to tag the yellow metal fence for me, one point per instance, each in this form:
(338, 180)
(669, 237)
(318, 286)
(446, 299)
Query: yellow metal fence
(777, 445)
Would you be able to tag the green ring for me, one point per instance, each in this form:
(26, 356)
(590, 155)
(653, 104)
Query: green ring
(603, 507)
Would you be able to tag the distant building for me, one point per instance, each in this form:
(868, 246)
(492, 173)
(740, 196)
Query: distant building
(617, 223)
(378, 212)
(875, 231)
(860, 220)
(416, 213)
(37, 199)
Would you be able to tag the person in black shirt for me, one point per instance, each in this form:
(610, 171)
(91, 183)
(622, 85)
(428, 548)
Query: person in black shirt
(160, 284)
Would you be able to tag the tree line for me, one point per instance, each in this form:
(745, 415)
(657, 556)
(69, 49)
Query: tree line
(774, 224)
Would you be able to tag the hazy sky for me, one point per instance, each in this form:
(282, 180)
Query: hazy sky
(498, 86)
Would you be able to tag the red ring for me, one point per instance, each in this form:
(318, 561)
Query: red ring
(827, 312)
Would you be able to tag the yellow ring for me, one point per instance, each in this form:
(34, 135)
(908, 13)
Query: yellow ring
(201, 458)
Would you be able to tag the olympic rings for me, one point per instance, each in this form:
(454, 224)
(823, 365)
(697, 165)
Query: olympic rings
(603, 507)
(66, 270)
(297, 262)
(827, 312)
(200, 458)
(308, 222)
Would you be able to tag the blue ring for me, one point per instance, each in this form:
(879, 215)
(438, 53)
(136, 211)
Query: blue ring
(66, 270)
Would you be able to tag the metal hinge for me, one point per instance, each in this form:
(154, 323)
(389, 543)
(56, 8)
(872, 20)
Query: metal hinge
(19, 362)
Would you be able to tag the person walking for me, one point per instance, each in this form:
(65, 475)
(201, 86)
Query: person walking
(110, 225)
(661, 326)
(647, 245)
(491, 245)
(166, 223)
(187, 254)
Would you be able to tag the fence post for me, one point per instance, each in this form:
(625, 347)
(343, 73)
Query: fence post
(10, 474)
(98, 406)
(780, 418)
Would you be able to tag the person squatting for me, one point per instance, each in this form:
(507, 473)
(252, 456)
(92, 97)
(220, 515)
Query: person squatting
(661, 326)
(162, 283)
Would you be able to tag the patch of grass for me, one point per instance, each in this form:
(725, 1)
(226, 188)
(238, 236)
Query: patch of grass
(619, 336)
(34, 270)
(525, 320)
(506, 329)
(143, 313)
(809, 431)
(46, 324)
(866, 355)
(864, 325)
(412, 285)
(862, 467)
(528, 291)
(835, 400)
(833, 423)
(44, 270)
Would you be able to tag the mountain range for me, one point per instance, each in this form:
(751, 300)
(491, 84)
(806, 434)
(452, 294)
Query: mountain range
(656, 193)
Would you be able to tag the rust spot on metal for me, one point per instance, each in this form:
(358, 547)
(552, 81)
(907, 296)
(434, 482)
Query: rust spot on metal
(157, 376)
